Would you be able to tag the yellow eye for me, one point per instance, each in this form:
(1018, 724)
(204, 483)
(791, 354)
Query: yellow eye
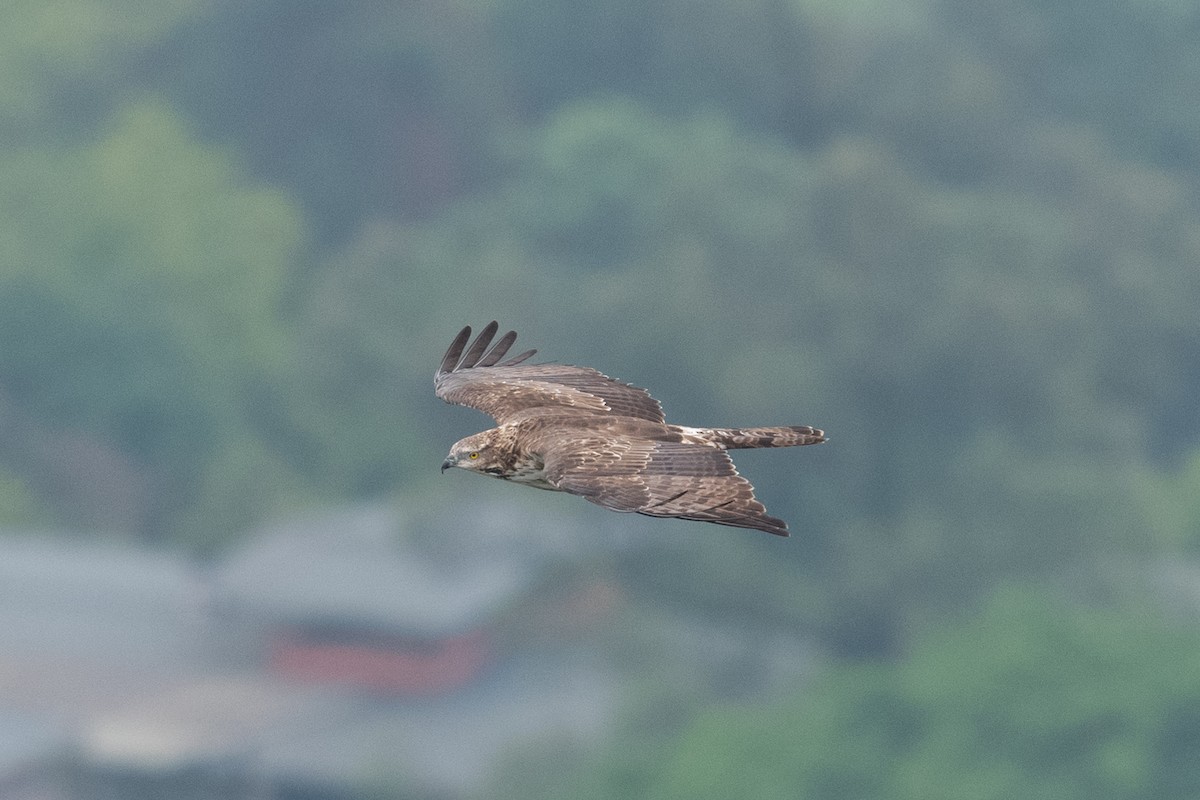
(473, 455)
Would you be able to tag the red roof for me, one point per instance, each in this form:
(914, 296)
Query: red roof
(423, 668)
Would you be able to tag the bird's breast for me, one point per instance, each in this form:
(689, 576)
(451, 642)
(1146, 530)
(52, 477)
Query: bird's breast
(531, 472)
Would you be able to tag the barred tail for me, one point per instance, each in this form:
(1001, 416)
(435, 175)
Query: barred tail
(735, 438)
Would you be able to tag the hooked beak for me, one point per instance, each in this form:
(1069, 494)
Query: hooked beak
(449, 462)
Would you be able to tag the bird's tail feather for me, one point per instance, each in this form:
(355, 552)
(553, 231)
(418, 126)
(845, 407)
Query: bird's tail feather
(780, 436)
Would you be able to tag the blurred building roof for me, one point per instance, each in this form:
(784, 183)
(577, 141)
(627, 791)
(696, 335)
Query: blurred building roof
(82, 621)
(281, 734)
(109, 652)
(359, 566)
(205, 721)
(27, 739)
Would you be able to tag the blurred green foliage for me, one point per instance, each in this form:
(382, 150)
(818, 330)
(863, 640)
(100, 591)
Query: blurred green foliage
(1029, 694)
(233, 256)
(1031, 697)
(961, 236)
(141, 307)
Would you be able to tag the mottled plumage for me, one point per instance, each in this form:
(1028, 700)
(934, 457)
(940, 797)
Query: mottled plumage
(573, 429)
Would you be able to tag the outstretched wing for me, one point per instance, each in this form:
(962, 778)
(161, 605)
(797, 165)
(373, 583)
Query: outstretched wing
(479, 379)
(657, 478)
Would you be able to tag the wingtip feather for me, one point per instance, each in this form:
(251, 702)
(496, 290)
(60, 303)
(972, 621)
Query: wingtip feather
(498, 350)
(475, 352)
(518, 359)
(450, 360)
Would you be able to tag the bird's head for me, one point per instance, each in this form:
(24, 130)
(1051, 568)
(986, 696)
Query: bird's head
(475, 453)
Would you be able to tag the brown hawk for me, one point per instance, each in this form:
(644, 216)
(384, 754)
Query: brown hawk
(572, 429)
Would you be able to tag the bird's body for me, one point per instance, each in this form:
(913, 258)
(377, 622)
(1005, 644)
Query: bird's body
(572, 429)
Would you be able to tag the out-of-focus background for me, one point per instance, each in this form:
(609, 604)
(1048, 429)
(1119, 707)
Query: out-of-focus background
(961, 236)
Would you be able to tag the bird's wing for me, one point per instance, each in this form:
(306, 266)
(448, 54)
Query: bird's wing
(478, 378)
(657, 478)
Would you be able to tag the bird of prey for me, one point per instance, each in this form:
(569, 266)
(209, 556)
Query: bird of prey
(572, 429)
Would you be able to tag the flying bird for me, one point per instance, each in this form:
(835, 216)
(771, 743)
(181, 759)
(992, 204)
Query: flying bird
(572, 429)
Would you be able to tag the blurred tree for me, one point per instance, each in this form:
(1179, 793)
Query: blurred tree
(1032, 698)
(64, 62)
(611, 221)
(914, 223)
(1170, 499)
(944, 334)
(1119, 67)
(757, 62)
(141, 302)
(363, 109)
